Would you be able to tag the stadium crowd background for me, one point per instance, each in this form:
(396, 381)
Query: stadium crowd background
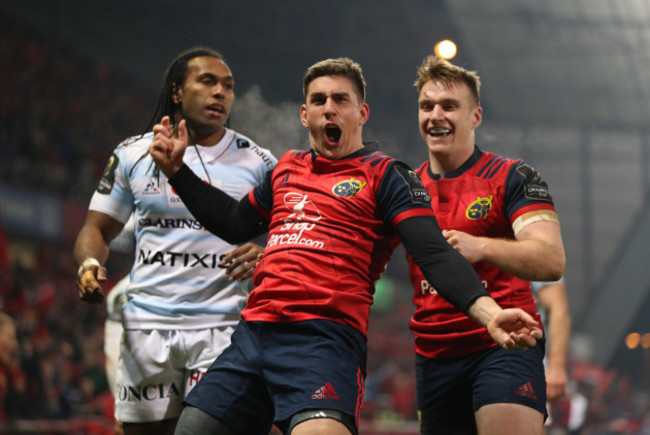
(52, 103)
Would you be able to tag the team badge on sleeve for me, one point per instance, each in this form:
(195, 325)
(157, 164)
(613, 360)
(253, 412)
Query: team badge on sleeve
(418, 193)
(534, 186)
(108, 177)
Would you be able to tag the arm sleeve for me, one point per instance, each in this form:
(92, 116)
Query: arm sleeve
(524, 188)
(445, 268)
(234, 221)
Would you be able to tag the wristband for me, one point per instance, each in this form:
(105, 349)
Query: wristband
(87, 263)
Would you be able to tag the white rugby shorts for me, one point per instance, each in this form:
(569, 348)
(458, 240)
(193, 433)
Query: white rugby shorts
(112, 338)
(157, 368)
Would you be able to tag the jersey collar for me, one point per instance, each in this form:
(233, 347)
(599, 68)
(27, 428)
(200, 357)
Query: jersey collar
(476, 155)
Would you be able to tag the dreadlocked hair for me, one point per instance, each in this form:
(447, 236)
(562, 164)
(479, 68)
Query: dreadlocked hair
(174, 78)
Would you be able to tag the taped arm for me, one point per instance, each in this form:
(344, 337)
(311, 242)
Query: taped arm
(233, 221)
(537, 254)
(95, 236)
(91, 251)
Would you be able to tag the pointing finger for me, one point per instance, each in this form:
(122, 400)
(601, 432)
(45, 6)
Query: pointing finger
(182, 131)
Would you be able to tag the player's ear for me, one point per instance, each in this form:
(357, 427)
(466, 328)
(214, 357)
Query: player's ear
(177, 94)
(303, 116)
(478, 117)
(364, 111)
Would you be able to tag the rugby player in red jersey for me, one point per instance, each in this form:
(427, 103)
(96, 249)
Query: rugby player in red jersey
(499, 215)
(334, 215)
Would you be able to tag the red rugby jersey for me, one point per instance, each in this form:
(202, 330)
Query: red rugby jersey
(483, 198)
(332, 221)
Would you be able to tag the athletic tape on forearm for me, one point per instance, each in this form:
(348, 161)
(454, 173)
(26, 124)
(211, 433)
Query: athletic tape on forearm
(86, 264)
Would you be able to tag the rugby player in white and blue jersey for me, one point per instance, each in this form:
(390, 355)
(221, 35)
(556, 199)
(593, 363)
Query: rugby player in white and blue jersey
(182, 302)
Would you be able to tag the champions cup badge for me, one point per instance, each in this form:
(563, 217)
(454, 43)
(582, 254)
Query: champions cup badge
(479, 208)
(348, 188)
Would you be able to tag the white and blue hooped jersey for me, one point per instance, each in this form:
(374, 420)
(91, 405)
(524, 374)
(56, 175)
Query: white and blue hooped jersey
(176, 280)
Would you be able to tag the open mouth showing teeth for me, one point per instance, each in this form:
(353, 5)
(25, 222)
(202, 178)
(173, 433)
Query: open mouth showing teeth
(439, 131)
(333, 133)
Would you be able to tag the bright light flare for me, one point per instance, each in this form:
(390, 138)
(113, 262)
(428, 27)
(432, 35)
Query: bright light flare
(645, 340)
(632, 340)
(445, 49)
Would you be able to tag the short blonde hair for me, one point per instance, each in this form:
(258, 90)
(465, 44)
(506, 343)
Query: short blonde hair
(434, 68)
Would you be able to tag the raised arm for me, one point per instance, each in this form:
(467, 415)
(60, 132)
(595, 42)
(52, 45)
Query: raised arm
(234, 221)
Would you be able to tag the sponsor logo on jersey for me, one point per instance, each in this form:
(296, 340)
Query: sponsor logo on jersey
(535, 187)
(293, 235)
(427, 288)
(479, 209)
(418, 193)
(264, 156)
(294, 231)
(301, 206)
(537, 191)
(108, 177)
(243, 143)
(348, 188)
(182, 259)
(176, 223)
(147, 392)
(152, 187)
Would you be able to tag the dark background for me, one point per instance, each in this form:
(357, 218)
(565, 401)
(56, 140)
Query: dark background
(566, 86)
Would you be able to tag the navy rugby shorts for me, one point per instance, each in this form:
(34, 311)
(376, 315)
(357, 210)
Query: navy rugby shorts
(271, 371)
(451, 390)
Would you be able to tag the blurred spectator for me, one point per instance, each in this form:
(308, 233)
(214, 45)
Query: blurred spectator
(9, 370)
(8, 342)
(53, 104)
(577, 415)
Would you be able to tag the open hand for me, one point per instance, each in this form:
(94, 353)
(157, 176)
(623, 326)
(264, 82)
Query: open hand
(242, 261)
(513, 328)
